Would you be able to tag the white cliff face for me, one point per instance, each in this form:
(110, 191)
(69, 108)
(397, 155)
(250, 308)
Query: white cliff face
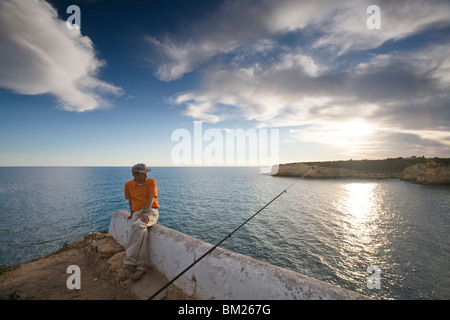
(427, 173)
(293, 169)
(300, 169)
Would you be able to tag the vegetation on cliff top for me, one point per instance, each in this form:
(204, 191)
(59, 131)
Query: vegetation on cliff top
(389, 165)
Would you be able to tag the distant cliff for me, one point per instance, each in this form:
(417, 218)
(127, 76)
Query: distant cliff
(419, 170)
(427, 173)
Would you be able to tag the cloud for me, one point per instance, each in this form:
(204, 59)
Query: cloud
(312, 65)
(335, 26)
(41, 55)
(295, 89)
(256, 92)
(356, 139)
(235, 27)
(346, 30)
(404, 95)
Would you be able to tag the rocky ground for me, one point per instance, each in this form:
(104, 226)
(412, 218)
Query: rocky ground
(99, 258)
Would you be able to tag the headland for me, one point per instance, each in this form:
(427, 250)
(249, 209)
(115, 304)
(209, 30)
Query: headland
(415, 169)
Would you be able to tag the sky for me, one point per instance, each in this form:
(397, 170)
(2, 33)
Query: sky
(165, 82)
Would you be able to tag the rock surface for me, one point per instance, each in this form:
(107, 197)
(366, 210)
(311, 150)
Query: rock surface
(427, 173)
(100, 259)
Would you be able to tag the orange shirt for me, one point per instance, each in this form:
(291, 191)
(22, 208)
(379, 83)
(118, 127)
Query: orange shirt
(140, 194)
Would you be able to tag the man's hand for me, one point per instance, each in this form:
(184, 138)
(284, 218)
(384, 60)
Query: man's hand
(144, 217)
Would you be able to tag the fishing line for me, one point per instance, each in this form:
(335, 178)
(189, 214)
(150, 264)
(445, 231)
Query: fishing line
(225, 238)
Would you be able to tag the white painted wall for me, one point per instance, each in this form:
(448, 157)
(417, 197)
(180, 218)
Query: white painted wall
(223, 274)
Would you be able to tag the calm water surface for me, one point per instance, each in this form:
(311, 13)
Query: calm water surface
(332, 230)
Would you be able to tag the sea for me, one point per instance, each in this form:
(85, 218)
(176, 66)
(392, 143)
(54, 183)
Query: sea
(387, 239)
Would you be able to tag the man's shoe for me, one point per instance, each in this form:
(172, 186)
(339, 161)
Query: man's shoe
(126, 272)
(137, 275)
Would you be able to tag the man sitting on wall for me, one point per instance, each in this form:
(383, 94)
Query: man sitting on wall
(142, 194)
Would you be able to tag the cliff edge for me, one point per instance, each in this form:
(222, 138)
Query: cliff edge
(417, 170)
(100, 258)
(427, 173)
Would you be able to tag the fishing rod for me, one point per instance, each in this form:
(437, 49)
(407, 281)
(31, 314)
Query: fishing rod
(225, 238)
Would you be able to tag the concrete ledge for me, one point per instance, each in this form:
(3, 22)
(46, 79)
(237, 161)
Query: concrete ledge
(223, 274)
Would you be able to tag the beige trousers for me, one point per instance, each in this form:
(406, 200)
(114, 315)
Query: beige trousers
(137, 245)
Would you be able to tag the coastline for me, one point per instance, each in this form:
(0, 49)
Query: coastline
(415, 170)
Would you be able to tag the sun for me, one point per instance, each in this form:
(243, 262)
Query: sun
(353, 134)
(355, 129)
